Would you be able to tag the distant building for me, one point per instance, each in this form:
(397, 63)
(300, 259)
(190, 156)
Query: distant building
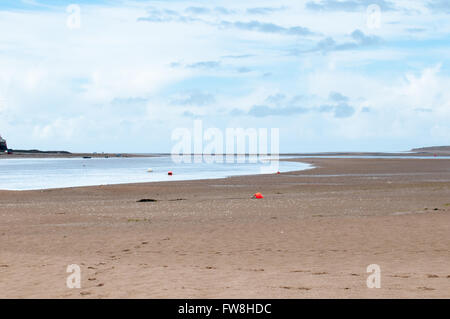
(3, 145)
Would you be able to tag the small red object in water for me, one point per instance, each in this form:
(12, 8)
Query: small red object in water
(170, 173)
(258, 196)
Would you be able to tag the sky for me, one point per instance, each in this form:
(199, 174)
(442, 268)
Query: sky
(348, 75)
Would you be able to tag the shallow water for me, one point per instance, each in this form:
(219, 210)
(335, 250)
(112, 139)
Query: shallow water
(45, 173)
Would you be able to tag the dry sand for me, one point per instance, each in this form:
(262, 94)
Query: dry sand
(312, 236)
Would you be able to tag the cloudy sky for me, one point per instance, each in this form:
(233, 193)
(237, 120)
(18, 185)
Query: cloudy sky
(331, 75)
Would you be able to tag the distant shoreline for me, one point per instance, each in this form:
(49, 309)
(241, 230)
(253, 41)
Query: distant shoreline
(65, 154)
(429, 152)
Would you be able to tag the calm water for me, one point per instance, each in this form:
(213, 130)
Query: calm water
(44, 173)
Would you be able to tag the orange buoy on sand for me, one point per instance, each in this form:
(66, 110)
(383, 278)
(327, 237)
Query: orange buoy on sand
(170, 173)
(258, 196)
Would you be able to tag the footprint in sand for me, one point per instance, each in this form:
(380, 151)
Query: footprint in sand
(432, 276)
(400, 276)
(295, 288)
(425, 288)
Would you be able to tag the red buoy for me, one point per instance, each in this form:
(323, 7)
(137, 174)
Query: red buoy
(170, 173)
(278, 172)
(258, 196)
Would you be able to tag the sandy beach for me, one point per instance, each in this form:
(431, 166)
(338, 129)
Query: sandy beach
(312, 236)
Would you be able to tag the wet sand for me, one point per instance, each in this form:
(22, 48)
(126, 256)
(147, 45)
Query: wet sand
(312, 236)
